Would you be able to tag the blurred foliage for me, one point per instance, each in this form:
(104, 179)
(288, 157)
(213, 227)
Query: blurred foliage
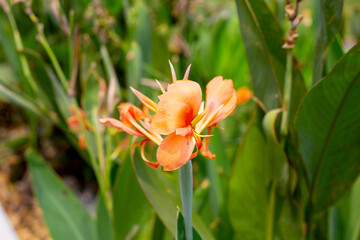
(62, 59)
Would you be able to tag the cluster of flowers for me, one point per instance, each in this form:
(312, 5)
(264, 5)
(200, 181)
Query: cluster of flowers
(179, 118)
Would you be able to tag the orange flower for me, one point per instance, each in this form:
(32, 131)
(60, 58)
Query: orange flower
(177, 112)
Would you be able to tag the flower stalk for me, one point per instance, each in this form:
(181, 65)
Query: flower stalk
(186, 189)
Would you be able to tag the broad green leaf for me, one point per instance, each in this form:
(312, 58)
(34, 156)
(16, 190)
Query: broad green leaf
(164, 196)
(259, 205)
(344, 217)
(65, 216)
(130, 203)
(263, 42)
(330, 12)
(104, 225)
(248, 197)
(180, 228)
(327, 124)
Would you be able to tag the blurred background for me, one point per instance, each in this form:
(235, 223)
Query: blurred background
(118, 44)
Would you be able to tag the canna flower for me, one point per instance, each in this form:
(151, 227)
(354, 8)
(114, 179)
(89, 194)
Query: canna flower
(179, 116)
(176, 110)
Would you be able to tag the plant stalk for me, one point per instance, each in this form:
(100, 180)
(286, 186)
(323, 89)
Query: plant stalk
(287, 95)
(186, 189)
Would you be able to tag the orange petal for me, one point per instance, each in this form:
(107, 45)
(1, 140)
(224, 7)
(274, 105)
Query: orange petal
(243, 95)
(185, 131)
(175, 151)
(219, 92)
(150, 164)
(111, 122)
(145, 100)
(128, 111)
(177, 107)
(205, 151)
(225, 110)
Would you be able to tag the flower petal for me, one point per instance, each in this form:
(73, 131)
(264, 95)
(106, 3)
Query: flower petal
(225, 110)
(177, 107)
(175, 151)
(111, 122)
(205, 151)
(185, 131)
(150, 164)
(219, 92)
(128, 111)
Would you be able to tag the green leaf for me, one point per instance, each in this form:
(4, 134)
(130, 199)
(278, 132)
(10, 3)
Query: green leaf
(327, 124)
(344, 218)
(104, 225)
(20, 99)
(265, 56)
(65, 216)
(259, 205)
(330, 12)
(130, 203)
(180, 228)
(164, 196)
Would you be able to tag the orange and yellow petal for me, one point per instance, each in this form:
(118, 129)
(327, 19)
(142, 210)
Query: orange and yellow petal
(111, 122)
(225, 111)
(177, 107)
(218, 92)
(175, 151)
(221, 99)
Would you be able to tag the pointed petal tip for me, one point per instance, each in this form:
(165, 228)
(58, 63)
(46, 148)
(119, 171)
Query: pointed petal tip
(187, 72)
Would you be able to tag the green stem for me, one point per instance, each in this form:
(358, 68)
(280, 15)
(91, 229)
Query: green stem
(52, 57)
(186, 189)
(19, 48)
(287, 95)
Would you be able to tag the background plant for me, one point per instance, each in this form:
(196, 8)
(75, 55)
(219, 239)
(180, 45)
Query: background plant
(56, 56)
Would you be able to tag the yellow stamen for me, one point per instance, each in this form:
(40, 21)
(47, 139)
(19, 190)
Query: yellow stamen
(146, 125)
(160, 86)
(143, 131)
(210, 118)
(150, 104)
(198, 118)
